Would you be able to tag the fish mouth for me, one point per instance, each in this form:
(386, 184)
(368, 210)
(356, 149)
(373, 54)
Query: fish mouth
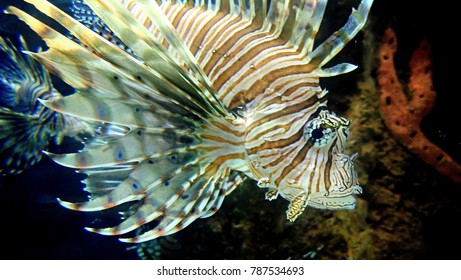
(336, 199)
(347, 202)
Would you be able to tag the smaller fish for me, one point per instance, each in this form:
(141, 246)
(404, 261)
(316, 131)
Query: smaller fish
(26, 126)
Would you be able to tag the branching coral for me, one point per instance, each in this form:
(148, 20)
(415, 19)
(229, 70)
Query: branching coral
(403, 115)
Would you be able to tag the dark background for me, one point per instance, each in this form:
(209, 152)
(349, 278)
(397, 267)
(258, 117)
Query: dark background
(34, 226)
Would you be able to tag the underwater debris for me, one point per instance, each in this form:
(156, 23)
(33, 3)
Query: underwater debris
(403, 116)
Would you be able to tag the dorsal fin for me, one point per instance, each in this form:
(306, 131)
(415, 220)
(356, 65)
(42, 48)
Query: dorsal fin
(152, 11)
(336, 42)
(307, 23)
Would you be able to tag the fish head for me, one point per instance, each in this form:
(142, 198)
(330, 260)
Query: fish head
(330, 179)
(311, 171)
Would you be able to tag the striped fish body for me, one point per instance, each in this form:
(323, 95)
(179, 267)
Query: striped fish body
(258, 68)
(200, 94)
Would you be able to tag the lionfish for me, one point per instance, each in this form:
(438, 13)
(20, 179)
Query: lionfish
(204, 94)
(26, 126)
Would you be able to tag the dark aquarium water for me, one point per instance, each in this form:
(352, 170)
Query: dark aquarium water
(410, 205)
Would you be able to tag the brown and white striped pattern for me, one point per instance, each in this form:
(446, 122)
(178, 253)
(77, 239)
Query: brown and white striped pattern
(251, 67)
(210, 91)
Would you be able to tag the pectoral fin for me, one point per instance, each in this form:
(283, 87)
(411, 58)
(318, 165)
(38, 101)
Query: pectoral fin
(297, 206)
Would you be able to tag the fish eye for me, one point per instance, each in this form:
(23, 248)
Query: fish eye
(318, 132)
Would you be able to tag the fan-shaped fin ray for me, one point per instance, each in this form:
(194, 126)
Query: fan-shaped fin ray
(235, 178)
(277, 16)
(101, 181)
(95, 77)
(138, 145)
(84, 69)
(161, 194)
(336, 70)
(126, 113)
(150, 173)
(258, 10)
(308, 17)
(178, 211)
(140, 40)
(19, 141)
(168, 31)
(185, 210)
(335, 43)
(223, 6)
(215, 202)
(72, 62)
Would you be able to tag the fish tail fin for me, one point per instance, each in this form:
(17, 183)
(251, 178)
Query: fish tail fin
(22, 133)
(21, 142)
(18, 72)
(28, 126)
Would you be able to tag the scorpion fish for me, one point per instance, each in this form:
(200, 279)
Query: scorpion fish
(26, 126)
(203, 95)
